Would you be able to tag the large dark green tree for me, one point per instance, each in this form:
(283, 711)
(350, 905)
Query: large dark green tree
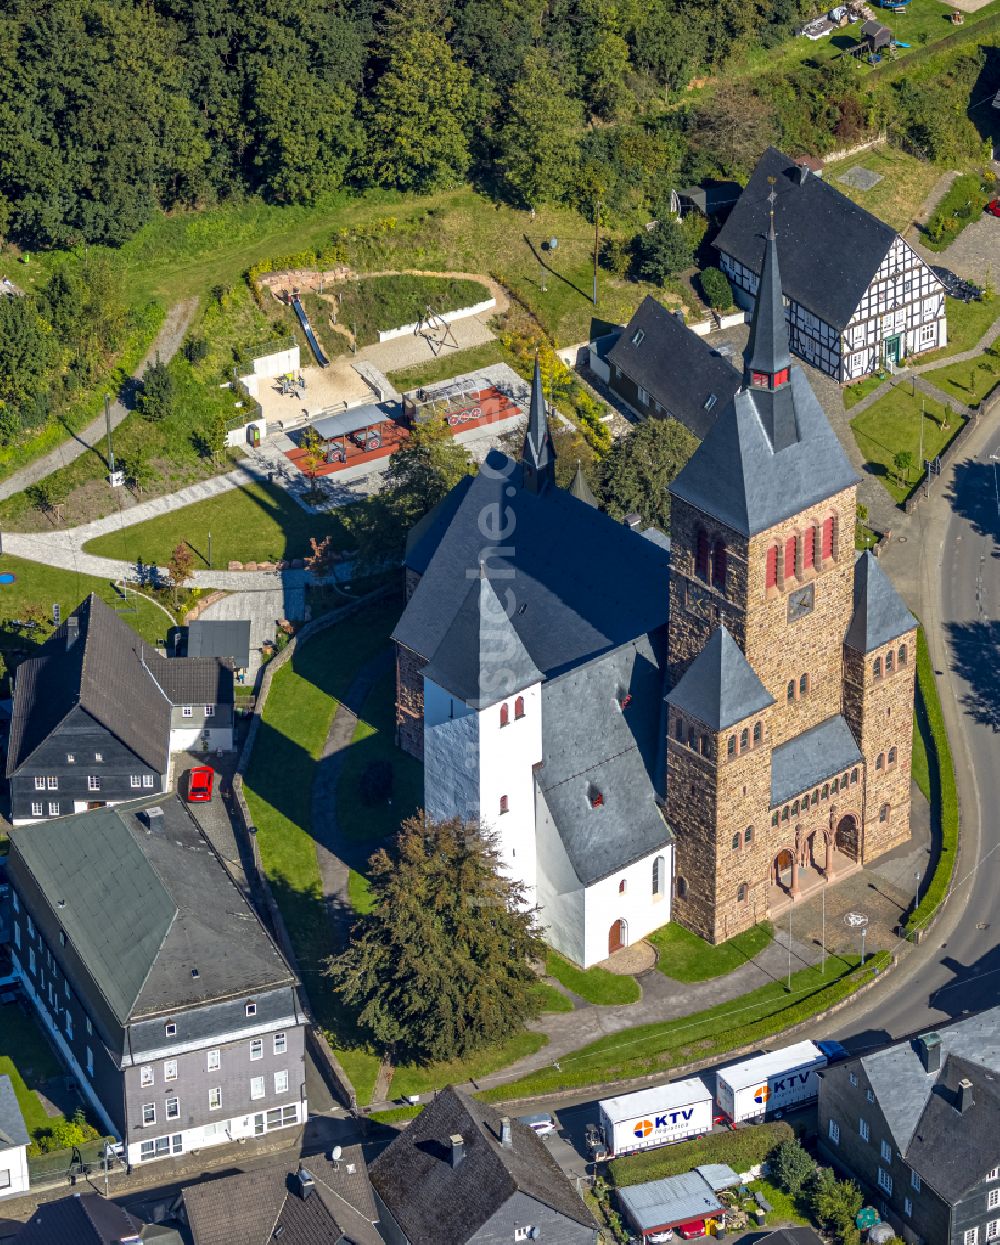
(637, 471)
(663, 251)
(441, 966)
(538, 136)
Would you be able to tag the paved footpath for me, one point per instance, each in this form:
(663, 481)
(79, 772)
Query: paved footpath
(166, 345)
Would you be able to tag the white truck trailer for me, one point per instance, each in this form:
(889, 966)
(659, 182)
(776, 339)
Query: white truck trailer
(655, 1117)
(768, 1085)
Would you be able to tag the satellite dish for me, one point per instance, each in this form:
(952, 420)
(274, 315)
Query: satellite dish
(335, 1154)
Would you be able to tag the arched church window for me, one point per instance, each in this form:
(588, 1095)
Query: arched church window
(504, 714)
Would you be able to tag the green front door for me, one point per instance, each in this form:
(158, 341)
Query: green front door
(892, 349)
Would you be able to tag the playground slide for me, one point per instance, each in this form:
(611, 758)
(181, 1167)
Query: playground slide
(321, 358)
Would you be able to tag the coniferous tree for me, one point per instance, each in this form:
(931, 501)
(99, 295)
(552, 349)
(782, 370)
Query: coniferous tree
(441, 966)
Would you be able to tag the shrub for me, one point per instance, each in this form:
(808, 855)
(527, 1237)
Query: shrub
(376, 782)
(195, 349)
(792, 1167)
(716, 288)
(62, 1134)
(616, 256)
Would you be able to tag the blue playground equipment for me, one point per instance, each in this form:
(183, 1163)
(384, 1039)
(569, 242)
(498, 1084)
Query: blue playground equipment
(321, 358)
(895, 6)
(900, 44)
(7, 578)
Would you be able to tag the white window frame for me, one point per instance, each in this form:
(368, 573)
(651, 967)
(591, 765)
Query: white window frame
(854, 1077)
(993, 1198)
(213, 1060)
(187, 711)
(258, 1088)
(907, 1208)
(90, 1062)
(148, 1114)
(53, 808)
(256, 1049)
(99, 756)
(147, 780)
(39, 782)
(864, 1132)
(992, 1230)
(281, 1081)
(135, 780)
(170, 1028)
(170, 1069)
(280, 1043)
(147, 1075)
(215, 1098)
(210, 711)
(52, 782)
(68, 1022)
(971, 1236)
(37, 808)
(93, 782)
(885, 1150)
(884, 1181)
(992, 1174)
(70, 758)
(833, 1132)
(915, 1181)
(172, 1108)
(251, 1009)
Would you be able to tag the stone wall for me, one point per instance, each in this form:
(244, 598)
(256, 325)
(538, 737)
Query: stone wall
(410, 701)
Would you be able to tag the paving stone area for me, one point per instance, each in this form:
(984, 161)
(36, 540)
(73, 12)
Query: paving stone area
(859, 178)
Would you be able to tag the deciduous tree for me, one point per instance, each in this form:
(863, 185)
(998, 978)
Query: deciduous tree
(180, 566)
(441, 966)
(638, 470)
(538, 137)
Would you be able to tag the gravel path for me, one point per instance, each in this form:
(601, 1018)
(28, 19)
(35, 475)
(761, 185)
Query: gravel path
(167, 343)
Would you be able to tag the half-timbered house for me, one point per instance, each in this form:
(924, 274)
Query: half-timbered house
(858, 298)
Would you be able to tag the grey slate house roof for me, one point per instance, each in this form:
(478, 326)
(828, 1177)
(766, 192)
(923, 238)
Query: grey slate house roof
(830, 248)
(880, 614)
(12, 1130)
(720, 686)
(809, 758)
(589, 742)
(481, 659)
(247, 1208)
(659, 353)
(87, 1219)
(538, 456)
(97, 663)
(740, 478)
(144, 902)
(582, 584)
(791, 1236)
(219, 637)
(434, 1202)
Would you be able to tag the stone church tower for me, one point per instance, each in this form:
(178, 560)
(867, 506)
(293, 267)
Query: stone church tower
(790, 663)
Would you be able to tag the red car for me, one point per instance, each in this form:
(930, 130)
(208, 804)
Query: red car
(199, 787)
(993, 207)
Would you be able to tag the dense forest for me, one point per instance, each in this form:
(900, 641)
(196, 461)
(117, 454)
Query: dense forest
(110, 109)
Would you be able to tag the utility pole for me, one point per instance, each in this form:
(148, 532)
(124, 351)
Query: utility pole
(597, 242)
(107, 421)
(922, 435)
(210, 551)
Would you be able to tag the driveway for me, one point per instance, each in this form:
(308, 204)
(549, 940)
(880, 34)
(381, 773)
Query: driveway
(264, 609)
(974, 252)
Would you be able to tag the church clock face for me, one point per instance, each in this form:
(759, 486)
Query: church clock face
(801, 601)
(702, 602)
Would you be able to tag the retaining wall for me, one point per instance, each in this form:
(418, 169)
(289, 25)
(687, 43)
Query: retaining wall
(463, 313)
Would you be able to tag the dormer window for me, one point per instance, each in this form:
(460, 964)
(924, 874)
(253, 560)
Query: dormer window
(595, 796)
(638, 337)
(251, 1009)
(624, 699)
(710, 401)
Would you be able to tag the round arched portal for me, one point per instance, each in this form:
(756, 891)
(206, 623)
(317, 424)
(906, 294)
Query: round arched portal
(617, 936)
(783, 867)
(846, 837)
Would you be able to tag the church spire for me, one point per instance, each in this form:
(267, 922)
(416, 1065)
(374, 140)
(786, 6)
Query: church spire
(767, 360)
(538, 456)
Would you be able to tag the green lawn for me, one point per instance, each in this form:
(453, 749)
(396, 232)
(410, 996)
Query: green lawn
(29, 1061)
(853, 394)
(920, 762)
(37, 587)
(255, 523)
(596, 985)
(968, 323)
(410, 1079)
(906, 181)
(969, 382)
(893, 424)
(684, 956)
(655, 1049)
(373, 741)
(552, 1000)
(447, 365)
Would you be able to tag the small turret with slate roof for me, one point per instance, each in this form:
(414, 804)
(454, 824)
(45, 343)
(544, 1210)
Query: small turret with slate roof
(581, 489)
(538, 456)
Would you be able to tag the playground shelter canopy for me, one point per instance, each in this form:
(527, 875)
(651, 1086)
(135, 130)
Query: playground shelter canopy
(328, 427)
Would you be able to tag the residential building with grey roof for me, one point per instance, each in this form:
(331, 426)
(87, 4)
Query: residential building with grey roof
(14, 1142)
(917, 1124)
(158, 984)
(859, 298)
(98, 714)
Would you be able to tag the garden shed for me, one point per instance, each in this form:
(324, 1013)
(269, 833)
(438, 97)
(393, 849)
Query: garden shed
(875, 37)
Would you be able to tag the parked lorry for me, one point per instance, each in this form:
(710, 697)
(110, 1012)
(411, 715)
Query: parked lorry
(655, 1117)
(768, 1085)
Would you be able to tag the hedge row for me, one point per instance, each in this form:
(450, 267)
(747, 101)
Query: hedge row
(740, 1149)
(943, 789)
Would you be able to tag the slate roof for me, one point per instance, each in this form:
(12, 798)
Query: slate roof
(12, 1130)
(720, 686)
(582, 584)
(904, 1090)
(738, 477)
(97, 662)
(588, 741)
(674, 1200)
(580, 488)
(220, 637)
(83, 1219)
(434, 1202)
(144, 906)
(880, 614)
(538, 455)
(809, 758)
(675, 366)
(247, 1208)
(830, 248)
(481, 659)
(791, 1236)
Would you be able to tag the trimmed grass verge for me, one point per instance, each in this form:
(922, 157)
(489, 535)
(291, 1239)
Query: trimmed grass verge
(967, 323)
(740, 1150)
(449, 365)
(552, 1000)
(854, 393)
(969, 382)
(942, 789)
(661, 1047)
(684, 956)
(596, 985)
(893, 425)
(409, 1079)
(27, 1058)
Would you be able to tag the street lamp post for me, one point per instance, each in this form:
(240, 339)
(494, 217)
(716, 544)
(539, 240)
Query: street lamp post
(210, 551)
(996, 487)
(864, 930)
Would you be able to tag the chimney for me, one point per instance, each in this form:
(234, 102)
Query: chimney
(305, 1183)
(633, 521)
(457, 1149)
(72, 630)
(965, 1099)
(801, 173)
(506, 1137)
(929, 1050)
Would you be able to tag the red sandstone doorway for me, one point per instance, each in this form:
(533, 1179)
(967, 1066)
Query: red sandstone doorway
(617, 937)
(846, 837)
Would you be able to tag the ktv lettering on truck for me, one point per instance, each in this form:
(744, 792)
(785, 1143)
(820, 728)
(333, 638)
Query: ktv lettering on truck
(645, 1127)
(654, 1117)
(769, 1084)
